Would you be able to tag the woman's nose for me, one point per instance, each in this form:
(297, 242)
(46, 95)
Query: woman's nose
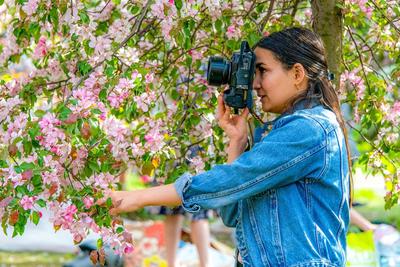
(256, 84)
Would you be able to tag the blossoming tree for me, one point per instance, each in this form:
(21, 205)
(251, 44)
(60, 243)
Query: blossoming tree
(120, 84)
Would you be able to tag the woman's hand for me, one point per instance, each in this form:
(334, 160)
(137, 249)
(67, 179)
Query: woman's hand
(122, 201)
(235, 126)
(126, 201)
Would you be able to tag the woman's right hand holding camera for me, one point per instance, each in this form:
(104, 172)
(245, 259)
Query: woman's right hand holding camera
(235, 127)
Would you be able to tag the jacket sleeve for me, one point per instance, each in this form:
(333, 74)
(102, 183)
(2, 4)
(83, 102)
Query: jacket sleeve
(287, 154)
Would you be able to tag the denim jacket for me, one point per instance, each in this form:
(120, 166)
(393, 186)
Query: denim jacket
(288, 197)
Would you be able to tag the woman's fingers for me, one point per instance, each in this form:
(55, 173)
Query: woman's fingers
(102, 200)
(221, 107)
(113, 211)
(245, 113)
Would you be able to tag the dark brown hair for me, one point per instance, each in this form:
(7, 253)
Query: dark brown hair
(303, 46)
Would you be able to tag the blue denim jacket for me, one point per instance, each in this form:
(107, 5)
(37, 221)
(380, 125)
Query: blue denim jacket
(288, 197)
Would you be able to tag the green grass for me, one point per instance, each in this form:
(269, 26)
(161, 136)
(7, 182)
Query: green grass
(33, 259)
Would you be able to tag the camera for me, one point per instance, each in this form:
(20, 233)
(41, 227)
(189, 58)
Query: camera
(238, 73)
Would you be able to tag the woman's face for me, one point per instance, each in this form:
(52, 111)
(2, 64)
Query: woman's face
(274, 84)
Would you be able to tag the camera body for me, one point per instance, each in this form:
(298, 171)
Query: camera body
(238, 73)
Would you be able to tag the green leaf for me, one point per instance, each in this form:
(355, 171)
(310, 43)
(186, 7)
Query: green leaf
(54, 16)
(41, 203)
(34, 30)
(109, 202)
(134, 9)
(37, 180)
(109, 70)
(3, 164)
(1, 2)
(178, 4)
(27, 146)
(103, 95)
(35, 217)
(18, 169)
(84, 16)
(99, 243)
(105, 167)
(93, 166)
(218, 25)
(40, 113)
(64, 113)
(120, 230)
(96, 111)
(84, 67)
(22, 189)
(27, 166)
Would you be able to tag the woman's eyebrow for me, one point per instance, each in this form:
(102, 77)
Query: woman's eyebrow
(259, 65)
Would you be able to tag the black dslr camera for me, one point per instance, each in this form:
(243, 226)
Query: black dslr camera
(238, 73)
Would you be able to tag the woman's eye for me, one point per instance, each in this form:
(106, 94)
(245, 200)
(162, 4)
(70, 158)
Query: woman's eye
(262, 70)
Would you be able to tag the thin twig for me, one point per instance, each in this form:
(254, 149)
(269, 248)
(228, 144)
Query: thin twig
(361, 61)
(267, 17)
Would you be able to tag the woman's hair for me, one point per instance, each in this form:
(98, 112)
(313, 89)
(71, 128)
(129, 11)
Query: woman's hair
(303, 46)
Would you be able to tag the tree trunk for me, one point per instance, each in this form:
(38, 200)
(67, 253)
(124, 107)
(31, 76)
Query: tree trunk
(328, 23)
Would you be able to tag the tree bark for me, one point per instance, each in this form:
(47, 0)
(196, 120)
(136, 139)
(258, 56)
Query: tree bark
(328, 23)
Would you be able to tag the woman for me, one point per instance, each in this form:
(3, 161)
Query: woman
(288, 197)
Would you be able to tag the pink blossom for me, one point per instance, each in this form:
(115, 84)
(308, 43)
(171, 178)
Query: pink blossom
(394, 115)
(49, 177)
(54, 70)
(196, 55)
(120, 93)
(149, 77)
(7, 105)
(4, 203)
(27, 175)
(157, 9)
(355, 81)
(69, 213)
(166, 27)
(233, 31)
(145, 179)
(145, 100)
(15, 128)
(79, 162)
(27, 202)
(105, 11)
(198, 164)
(30, 7)
(247, 5)
(308, 13)
(103, 180)
(128, 248)
(88, 201)
(118, 135)
(41, 48)
(52, 135)
(135, 75)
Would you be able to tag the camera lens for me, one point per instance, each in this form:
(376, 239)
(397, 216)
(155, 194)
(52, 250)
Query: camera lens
(218, 71)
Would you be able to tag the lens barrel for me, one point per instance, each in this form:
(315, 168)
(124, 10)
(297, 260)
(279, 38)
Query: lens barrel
(218, 71)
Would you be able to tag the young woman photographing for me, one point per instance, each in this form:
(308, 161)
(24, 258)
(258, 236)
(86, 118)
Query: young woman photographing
(288, 197)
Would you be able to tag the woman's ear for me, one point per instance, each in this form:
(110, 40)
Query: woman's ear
(300, 76)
